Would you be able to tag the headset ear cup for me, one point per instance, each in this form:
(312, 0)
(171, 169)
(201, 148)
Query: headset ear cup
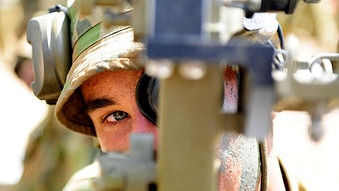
(61, 46)
(147, 97)
(49, 36)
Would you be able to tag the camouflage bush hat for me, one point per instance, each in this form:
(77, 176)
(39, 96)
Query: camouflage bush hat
(95, 49)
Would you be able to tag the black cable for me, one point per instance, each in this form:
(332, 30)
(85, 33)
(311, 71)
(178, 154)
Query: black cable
(281, 37)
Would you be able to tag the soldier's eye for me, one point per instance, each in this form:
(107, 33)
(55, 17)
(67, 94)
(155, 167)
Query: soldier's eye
(117, 116)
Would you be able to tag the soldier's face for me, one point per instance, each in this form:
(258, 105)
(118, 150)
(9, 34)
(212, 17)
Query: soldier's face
(111, 105)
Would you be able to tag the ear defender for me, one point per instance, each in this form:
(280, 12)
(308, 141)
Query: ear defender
(147, 94)
(49, 37)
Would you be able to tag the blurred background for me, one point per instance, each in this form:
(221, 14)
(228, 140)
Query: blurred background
(33, 145)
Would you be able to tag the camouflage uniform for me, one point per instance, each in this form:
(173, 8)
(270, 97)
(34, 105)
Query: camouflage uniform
(53, 154)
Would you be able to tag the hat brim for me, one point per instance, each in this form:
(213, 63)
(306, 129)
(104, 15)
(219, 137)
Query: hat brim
(115, 51)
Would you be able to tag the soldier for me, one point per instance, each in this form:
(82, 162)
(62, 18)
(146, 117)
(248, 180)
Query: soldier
(98, 99)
